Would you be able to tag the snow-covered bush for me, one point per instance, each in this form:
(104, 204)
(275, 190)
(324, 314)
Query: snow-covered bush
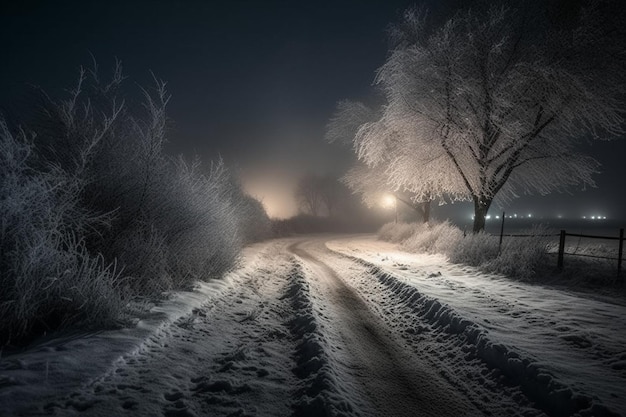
(202, 223)
(93, 211)
(434, 238)
(254, 222)
(48, 277)
(521, 256)
(475, 249)
(448, 237)
(399, 232)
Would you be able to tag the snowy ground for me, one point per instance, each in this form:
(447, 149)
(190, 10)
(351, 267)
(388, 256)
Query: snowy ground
(346, 326)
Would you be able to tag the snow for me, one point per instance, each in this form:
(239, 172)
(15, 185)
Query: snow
(220, 341)
(344, 326)
(66, 362)
(569, 350)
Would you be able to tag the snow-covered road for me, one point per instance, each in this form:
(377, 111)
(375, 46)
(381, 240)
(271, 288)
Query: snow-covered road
(372, 361)
(345, 326)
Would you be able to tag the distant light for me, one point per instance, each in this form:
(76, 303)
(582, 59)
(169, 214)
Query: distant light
(584, 217)
(559, 216)
(389, 201)
(515, 215)
(497, 217)
(488, 216)
(593, 217)
(604, 218)
(530, 215)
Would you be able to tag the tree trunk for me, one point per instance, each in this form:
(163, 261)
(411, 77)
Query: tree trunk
(422, 208)
(481, 207)
(426, 211)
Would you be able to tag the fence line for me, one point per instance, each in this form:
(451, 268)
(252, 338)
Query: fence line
(620, 251)
(563, 234)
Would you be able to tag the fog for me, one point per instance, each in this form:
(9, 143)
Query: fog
(254, 83)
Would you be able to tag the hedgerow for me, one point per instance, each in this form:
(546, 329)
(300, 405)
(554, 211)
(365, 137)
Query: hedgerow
(95, 214)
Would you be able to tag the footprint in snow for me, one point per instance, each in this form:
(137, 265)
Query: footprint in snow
(173, 396)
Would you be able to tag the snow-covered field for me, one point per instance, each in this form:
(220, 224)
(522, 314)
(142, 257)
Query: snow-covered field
(347, 326)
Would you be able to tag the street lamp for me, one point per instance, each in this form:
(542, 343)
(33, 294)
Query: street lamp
(391, 201)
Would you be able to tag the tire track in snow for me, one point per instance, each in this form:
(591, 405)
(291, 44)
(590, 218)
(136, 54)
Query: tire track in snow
(321, 393)
(394, 384)
(566, 334)
(537, 383)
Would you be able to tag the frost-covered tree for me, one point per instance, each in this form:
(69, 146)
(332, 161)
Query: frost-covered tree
(413, 176)
(496, 100)
(373, 186)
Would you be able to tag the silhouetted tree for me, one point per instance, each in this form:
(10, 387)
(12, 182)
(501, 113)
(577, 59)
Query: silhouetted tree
(318, 195)
(308, 195)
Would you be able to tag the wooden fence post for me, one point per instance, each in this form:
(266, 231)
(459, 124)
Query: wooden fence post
(501, 232)
(561, 249)
(620, 251)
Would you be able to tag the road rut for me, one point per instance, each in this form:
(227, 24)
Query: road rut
(394, 383)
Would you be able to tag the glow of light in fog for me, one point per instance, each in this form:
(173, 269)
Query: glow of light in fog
(275, 190)
(388, 201)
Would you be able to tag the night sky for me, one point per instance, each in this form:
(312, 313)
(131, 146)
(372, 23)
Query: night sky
(254, 82)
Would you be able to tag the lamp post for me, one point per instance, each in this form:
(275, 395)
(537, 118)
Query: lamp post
(395, 206)
(391, 201)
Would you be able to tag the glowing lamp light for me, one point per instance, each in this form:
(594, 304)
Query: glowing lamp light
(389, 201)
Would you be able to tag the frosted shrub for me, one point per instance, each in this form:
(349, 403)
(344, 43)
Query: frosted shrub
(475, 249)
(399, 232)
(91, 195)
(385, 231)
(421, 240)
(448, 237)
(433, 238)
(422, 237)
(49, 279)
(254, 222)
(173, 222)
(521, 256)
(204, 233)
(141, 249)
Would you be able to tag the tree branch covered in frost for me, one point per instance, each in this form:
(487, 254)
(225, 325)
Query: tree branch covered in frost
(492, 105)
(381, 171)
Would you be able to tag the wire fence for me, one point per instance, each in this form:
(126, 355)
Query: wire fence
(620, 251)
(562, 245)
